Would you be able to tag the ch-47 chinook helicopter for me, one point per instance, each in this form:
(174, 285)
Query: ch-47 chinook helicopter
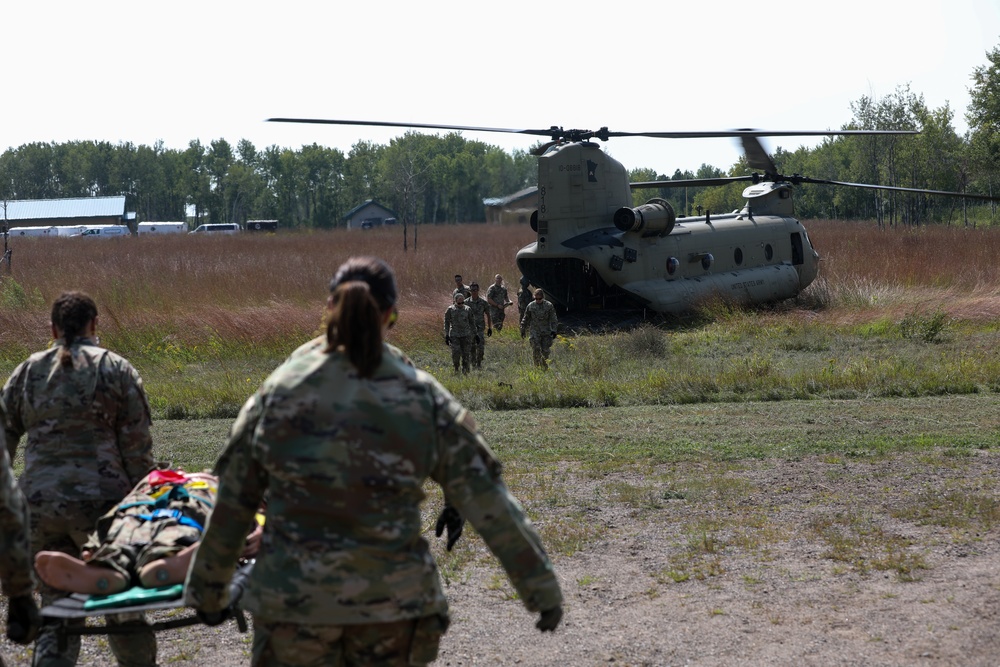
(595, 250)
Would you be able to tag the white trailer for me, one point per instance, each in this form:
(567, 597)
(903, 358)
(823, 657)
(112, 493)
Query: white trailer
(32, 231)
(145, 228)
(69, 230)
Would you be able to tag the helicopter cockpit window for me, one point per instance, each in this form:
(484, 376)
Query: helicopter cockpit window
(738, 256)
(672, 264)
(768, 252)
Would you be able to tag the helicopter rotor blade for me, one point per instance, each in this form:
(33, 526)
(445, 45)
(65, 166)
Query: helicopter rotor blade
(757, 157)
(557, 133)
(796, 179)
(694, 182)
(554, 132)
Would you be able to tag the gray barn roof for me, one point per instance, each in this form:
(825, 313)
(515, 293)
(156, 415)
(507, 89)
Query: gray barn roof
(82, 207)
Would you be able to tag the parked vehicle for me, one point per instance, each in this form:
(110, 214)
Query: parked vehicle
(145, 228)
(104, 231)
(262, 225)
(217, 228)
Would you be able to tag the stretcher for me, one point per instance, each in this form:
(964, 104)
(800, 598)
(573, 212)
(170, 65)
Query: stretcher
(66, 613)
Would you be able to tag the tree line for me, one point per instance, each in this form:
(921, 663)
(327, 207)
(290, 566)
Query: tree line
(436, 179)
(936, 159)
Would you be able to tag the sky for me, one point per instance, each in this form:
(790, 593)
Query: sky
(175, 72)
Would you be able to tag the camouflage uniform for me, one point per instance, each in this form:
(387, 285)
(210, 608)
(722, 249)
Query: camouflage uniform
(88, 444)
(541, 323)
(15, 563)
(523, 299)
(15, 552)
(497, 294)
(464, 289)
(460, 330)
(478, 306)
(343, 573)
(164, 513)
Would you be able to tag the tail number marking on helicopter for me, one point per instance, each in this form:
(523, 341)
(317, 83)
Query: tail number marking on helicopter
(541, 199)
(570, 167)
(747, 284)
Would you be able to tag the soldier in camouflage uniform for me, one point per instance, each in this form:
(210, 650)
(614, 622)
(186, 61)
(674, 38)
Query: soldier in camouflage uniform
(496, 296)
(484, 324)
(146, 539)
(87, 420)
(541, 323)
(343, 575)
(460, 332)
(23, 620)
(460, 288)
(523, 298)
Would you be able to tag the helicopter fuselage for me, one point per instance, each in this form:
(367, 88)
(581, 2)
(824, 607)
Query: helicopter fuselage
(594, 251)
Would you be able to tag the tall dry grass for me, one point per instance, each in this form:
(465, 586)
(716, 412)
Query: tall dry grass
(948, 267)
(252, 287)
(271, 288)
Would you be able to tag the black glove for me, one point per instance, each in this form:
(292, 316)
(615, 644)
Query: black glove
(451, 519)
(554, 335)
(479, 339)
(213, 618)
(489, 332)
(23, 620)
(549, 620)
(447, 340)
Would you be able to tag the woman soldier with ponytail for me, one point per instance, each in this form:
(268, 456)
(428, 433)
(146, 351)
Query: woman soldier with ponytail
(341, 438)
(87, 422)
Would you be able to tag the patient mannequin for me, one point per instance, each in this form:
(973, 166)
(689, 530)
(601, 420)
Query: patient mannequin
(146, 540)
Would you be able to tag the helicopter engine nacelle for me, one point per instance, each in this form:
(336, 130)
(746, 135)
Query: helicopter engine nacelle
(654, 218)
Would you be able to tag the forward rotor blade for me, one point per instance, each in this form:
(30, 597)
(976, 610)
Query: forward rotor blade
(557, 133)
(760, 133)
(428, 126)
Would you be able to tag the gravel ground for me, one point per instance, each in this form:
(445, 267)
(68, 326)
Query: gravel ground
(888, 561)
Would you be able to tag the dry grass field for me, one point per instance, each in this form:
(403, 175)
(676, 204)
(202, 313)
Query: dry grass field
(269, 286)
(697, 511)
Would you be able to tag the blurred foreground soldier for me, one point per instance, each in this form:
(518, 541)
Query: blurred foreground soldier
(460, 332)
(484, 324)
(87, 420)
(23, 620)
(342, 438)
(523, 298)
(540, 323)
(460, 288)
(496, 297)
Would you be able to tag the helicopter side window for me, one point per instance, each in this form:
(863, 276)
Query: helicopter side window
(672, 264)
(797, 256)
(768, 252)
(738, 256)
